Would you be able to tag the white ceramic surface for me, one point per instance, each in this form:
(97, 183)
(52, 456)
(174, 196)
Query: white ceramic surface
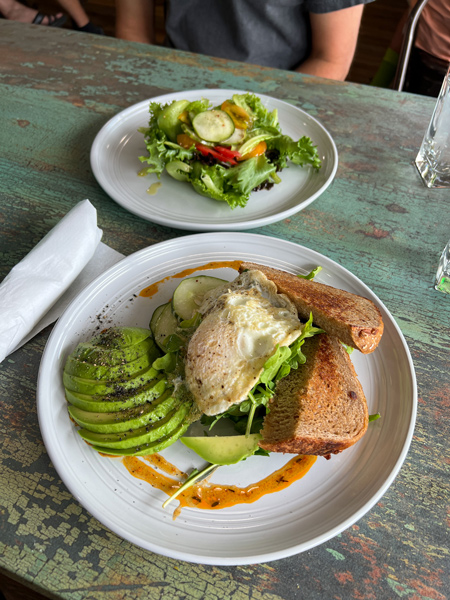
(333, 495)
(115, 164)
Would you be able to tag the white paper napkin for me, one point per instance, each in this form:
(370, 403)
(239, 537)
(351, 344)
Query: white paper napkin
(36, 290)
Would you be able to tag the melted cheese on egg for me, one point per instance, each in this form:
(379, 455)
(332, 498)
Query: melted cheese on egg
(243, 323)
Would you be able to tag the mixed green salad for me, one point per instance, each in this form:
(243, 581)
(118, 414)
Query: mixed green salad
(225, 152)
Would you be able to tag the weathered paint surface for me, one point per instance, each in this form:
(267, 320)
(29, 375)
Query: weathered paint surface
(57, 88)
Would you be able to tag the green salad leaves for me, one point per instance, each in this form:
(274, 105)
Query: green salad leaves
(224, 152)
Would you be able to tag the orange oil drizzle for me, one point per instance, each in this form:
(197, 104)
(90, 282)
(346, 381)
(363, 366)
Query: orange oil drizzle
(212, 496)
(151, 290)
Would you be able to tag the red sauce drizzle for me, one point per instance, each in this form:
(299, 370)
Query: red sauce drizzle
(213, 496)
(151, 290)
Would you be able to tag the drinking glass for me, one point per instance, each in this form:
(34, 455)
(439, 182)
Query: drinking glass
(433, 159)
(442, 281)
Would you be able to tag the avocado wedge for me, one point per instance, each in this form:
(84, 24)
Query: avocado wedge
(223, 450)
(146, 449)
(142, 435)
(101, 355)
(97, 372)
(121, 337)
(93, 387)
(121, 402)
(124, 420)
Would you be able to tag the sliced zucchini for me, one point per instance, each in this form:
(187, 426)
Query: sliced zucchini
(213, 125)
(166, 325)
(189, 294)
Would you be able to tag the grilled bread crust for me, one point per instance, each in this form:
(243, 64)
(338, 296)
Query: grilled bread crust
(355, 320)
(319, 408)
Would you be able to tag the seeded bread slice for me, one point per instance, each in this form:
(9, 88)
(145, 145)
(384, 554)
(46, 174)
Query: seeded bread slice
(355, 320)
(319, 408)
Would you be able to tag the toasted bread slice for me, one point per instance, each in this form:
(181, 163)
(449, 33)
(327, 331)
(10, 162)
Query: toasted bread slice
(319, 408)
(355, 320)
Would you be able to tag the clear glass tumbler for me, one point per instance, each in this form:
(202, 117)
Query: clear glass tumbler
(433, 160)
(442, 281)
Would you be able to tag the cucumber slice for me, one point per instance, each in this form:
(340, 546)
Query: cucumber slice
(166, 325)
(191, 133)
(189, 294)
(155, 317)
(178, 170)
(213, 125)
(236, 139)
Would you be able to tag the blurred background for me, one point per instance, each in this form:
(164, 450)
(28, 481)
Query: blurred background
(379, 21)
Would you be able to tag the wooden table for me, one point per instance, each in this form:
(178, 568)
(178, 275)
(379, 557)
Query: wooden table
(377, 219)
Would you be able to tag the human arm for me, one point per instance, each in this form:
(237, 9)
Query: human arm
(135, 21)
(333, 36)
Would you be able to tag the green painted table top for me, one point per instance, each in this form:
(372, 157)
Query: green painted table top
(377, 219)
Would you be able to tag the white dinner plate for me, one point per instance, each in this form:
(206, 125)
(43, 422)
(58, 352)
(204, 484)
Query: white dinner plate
(334, 493)
(115, 164)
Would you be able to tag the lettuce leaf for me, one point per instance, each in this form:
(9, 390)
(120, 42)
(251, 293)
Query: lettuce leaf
(210, 181)
(303, 152)
(260, 115)
(249, 174)
(161, 151)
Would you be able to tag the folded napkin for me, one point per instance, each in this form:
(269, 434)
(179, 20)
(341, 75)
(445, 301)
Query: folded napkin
(37, 290)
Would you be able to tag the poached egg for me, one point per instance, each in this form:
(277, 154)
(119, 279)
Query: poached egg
(243, 323)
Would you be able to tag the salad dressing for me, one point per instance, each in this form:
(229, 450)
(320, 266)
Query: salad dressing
(154, 188)
(213, 496)
(151, 290)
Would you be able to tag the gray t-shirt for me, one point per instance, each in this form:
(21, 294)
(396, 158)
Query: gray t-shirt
(273, 33)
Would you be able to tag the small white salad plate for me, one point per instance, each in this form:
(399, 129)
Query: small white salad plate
(333, 494)
(115, 163)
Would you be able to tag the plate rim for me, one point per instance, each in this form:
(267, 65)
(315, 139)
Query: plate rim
(240, 225)
(263, 556)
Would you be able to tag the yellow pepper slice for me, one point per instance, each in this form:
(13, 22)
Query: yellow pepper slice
(184, 117)
(241, 118)
(257, 151)
(185, 141)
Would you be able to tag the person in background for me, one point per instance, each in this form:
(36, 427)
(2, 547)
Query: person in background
(316, 37)
(430, 54)
(16, 11)
(21, 12)
(80, 18)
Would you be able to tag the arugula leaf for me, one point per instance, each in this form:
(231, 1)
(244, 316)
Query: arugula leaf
(166, 363)
(311, 274)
